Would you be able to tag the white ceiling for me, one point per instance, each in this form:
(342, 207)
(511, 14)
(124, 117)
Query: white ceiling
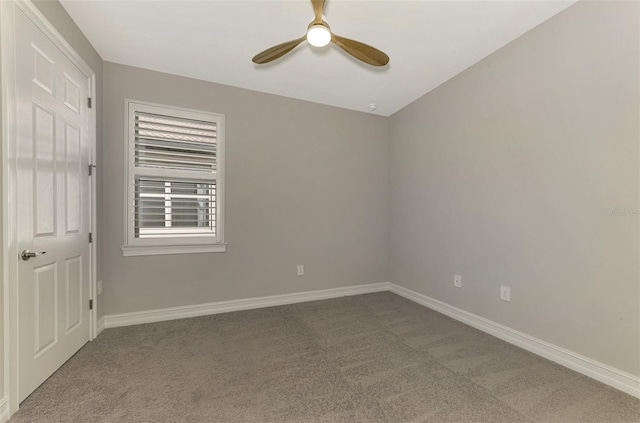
(428, 42)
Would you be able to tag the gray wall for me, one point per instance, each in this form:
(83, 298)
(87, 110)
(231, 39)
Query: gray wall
(504, 174)
(305, 184)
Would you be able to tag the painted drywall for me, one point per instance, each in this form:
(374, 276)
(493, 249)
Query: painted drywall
(60, 19)
(523, 171)
(305, 184)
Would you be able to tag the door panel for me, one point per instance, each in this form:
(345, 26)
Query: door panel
(53, 206)
(45, 280)
(44, 69)
(73, 291)
(71, 93)
(44, 192)
(73, 175)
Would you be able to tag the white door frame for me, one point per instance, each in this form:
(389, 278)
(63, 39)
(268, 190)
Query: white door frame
(9, 249)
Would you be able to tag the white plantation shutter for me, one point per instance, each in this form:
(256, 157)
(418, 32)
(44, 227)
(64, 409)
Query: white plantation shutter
(175, 176)
(172, 143)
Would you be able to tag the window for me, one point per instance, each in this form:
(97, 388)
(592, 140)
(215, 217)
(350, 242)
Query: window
(175, 180)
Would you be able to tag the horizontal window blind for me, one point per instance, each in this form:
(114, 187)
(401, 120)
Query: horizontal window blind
(174, 208)
(168, 142)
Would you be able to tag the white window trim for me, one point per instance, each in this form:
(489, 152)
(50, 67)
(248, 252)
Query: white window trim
(154, 246)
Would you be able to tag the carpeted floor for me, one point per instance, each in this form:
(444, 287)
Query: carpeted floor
(368, 358)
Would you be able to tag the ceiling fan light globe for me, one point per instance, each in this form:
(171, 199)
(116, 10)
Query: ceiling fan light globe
(318, 36)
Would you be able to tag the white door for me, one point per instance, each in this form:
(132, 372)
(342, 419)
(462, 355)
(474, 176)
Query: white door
(53, 206)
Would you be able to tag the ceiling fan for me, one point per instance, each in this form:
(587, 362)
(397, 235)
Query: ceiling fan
(319, 35)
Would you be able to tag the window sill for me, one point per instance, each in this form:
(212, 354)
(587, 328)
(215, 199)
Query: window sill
(148, 250)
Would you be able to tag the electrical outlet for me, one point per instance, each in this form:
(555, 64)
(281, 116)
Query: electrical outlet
(99, 287)
(457, 281)
(505, 293)
(300, 270)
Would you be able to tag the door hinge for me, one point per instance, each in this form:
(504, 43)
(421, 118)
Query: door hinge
(89, 101)
(91, 166)
(90, 237)
(90, 304)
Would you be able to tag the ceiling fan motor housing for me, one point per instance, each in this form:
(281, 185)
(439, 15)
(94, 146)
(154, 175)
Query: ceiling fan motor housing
(318, 34)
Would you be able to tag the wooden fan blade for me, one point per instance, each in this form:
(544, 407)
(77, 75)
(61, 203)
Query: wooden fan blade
(318, 8)
(361, 51)
(276, 52)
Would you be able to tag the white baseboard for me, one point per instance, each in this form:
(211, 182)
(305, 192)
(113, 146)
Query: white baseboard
(4, 409)
(100, 326)
(601, 372)
(159, 315)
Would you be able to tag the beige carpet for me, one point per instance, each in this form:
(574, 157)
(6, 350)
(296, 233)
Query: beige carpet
(369, 358)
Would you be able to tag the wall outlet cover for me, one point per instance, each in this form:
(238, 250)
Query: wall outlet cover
(457, 281)
(505, 293)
